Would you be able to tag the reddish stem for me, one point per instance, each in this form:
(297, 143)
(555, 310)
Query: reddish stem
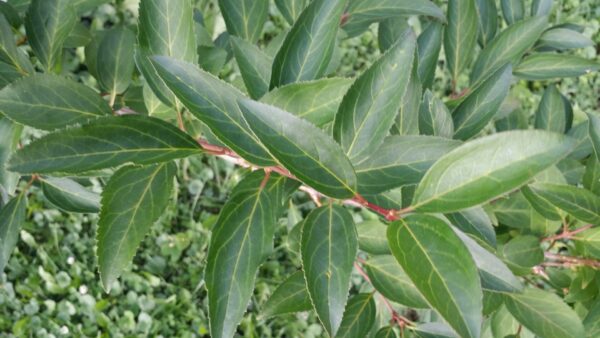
(566, 234)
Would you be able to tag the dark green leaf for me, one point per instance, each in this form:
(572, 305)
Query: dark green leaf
(213, 102)
(80, 36)
(245, 18)
(434, 330)
(503, 164)
(488, 20)
(513, 10)
(13, 57)
(563, 38)
(591, 178)
(544, 314)
(105, 143)
(70, 196)
(211, 58)
(12, 217)
(50, 102)
(11, 14)
(391, 281)
(407, 122)
(541, 7)
(371, 237)
(460, 36)
(359, 316)
(581, 203)
(545, 66)
(289, 297)
(329, 247)
(115, 56)
(307, 152)
(291, 9)
(390, 30)
(255, 67)
(134, 198)
(545, 208)
(524, 252)
(516, 212)
(592, 321)
(508, 46)
(551, 114)
(434, 117)
(401, 160)
(315, 101)
(372, 102)
(386, 332)
(10, 134)
(594, 133)
(442, 268)
(480, 106)
(429, 44)
(475, 222)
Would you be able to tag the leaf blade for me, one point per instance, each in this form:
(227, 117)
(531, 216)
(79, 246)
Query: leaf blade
(12, 216)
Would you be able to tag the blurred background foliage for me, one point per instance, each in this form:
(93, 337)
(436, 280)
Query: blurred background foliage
(50, 287)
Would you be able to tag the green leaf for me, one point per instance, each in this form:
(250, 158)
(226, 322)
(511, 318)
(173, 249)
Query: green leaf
(460, 36)
(290, 296)
(115, 56)
(11, 14)
(12, 217)
(315, 101)
(407, 122)
(389, 279)
(105, 143)
(523, 252)
(241, 239)
(50, 102)
(80, 36)
(362, 13)
(372, 102)
(48, 24)
(546, 209)
(429, 44)
(544, 314)
(480, 106)
(70, 196)
(213, 102)
(551, 114)
(329, 247)
(371, 237)
(359, 316)
(255, 67)
(508, 46)
(165, 28)
(386, 332)
(245, 18)
(503, 164)
(442, 268)
(401, 160)
(545, 66)
(541, 7)
(516, 212)
(591, 322)
(513, 10)
(134, 198)
(434, 330)
(474, 222)
(212, 59)
(594, 133)
(10, 134)
(390, 30)
(488, 21)
(291, 9)
(581, 203)
(434, 117)
(308, 47)
(563, 38)
(13, 57)
(591, 178)
(307, 152)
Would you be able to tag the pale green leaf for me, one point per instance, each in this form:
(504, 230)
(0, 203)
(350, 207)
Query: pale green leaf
(545, 66)
(513, 10)
(580, 203)
(70, 196)
(563, 38)
(371, 237)
(434, 117)
(10, 134)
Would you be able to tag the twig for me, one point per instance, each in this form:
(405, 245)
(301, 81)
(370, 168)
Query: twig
(569, 261)
(566, 234)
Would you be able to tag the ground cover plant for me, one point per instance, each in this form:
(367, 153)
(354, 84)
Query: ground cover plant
(386, 168)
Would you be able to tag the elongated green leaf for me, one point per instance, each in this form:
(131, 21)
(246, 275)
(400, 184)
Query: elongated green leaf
(478, 109)
(591, 178)
(291, 9)
(563, 38)
(213, 102)
(48, 24)
(371, 237)
(434, 117)
(307, 152)
(460, 36)
(488, 21)
(362, 13)
(592, 321)
(391, 281)
(359, 316)
(315, 101)
(588, 242)
(329, 247)
(508, 46)
(390, 30)
(245, 18)
(80, 36)
(241, 239)
(442, 268)
(502, 164)
(386, 332)
(104, 143)
(401, 160)
(12, 216)
(49, 102)
(429, 44)
(523, 253)
(9, 53)
(70, 196)
(289, 297)
(474, 222)
(10, 134)
(581, 203)
(544, 314)
(165, 28)
(255, 67)
(516, 212)
(551, 114)
(132, 201)
(513, 10)
(308, 47)
(541, 7)
(434, 330)
(407, 122)
(116, 60)
(544, 66)
(372, 102)
(546, 209)
(11, 14)
(593, 130)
